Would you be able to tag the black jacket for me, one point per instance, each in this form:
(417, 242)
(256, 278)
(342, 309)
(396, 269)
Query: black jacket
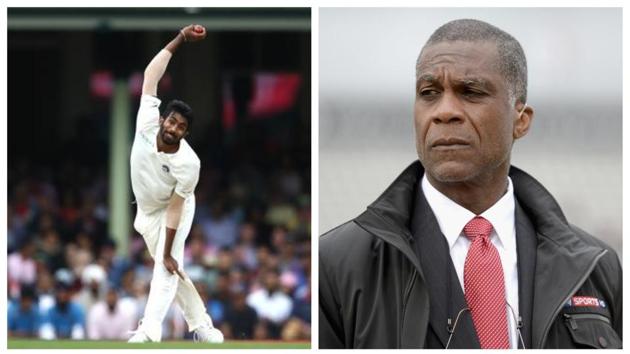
(386, 279)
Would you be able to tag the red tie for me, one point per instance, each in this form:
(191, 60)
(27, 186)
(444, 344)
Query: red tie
(484, 286)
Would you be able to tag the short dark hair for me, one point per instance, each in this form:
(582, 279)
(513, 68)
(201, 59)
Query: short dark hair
(28, 292)
(512, 62)
(180, 107)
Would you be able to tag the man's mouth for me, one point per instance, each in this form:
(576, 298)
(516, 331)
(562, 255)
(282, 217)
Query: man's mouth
(450, 144)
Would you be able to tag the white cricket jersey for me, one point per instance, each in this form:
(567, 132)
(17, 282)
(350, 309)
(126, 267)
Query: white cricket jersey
(156, 175)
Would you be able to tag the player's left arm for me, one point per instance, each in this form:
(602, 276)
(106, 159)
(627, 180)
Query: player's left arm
(173, 216)
(187, 176)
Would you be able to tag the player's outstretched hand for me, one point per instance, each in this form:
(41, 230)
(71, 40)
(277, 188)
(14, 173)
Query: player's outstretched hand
(193, 33)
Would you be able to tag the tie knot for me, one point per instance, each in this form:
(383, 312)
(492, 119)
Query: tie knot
(478, 226)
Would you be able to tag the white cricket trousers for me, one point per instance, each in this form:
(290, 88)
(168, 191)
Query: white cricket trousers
(166, 286)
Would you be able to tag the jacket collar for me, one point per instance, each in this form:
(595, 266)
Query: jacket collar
(390, 215)
(559, 249)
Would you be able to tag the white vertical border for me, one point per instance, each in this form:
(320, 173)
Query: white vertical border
(314, 177)
(625, 150)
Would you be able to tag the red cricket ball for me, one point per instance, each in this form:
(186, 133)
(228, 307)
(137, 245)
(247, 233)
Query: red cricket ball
(198, 29)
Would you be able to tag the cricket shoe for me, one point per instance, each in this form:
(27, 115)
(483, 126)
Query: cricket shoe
(138, 337)
(207, 334)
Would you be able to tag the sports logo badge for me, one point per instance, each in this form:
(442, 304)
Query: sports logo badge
(585, 301)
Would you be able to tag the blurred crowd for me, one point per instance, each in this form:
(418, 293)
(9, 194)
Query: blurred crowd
(248, 253)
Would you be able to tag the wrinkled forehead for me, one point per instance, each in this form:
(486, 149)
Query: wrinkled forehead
(463, 58)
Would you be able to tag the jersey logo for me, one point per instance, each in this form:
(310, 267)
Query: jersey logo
(165, 168)
(585, 301)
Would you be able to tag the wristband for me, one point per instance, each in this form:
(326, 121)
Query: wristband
(183, 35)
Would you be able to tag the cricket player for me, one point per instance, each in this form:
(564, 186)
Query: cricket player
(164, 173)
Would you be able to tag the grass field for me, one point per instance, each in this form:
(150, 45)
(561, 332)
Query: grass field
(73, 344)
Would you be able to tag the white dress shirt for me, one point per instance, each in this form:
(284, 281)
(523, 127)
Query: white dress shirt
(452, 218)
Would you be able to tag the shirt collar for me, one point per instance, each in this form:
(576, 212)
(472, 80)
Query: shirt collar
(452, 217)
(501, 216)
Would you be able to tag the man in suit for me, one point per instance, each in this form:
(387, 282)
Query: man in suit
(464, 250)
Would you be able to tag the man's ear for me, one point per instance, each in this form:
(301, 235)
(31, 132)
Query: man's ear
(161, 120)
(524, 116)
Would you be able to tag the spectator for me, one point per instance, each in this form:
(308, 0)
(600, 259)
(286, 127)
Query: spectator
(271, 303)
(221, 227)
(302, 302)
(22, 210)
(21, 267)
(84, 253)
(42, 222)
(264, 257)
(288, 282)
(115, 265)
(23, 315)
(279, 238)
(196, 251)
(295, 329)
(219, 299)
(225, 260)
(261, 330)
(131, 294)
(65, 319)
(15, 230)
(68, 212)
(50, 251)
(93, 279)
(127, 283)
(240, 318)
(45, 289)
(90, 223)
(289, 179)
(238, 278)
(110, 319)
(245, 250)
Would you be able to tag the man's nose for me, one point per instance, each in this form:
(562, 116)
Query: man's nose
(448, 110)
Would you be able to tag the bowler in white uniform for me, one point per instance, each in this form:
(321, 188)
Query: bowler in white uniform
(164, 174)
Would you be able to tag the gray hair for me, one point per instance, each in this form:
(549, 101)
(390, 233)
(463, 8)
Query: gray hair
(512, 63)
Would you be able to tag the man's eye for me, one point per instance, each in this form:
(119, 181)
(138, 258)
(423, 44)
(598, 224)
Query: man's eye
(428, 93)
(472, 92)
